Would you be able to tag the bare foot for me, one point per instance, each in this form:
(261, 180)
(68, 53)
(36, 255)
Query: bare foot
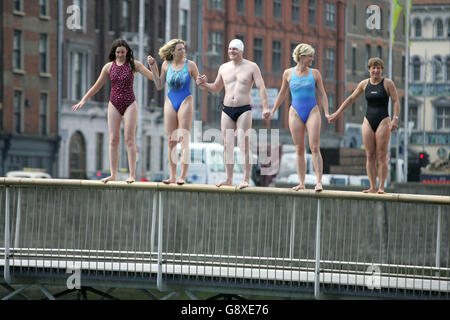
(299, 187)
(130, 180)
(369, 191)
(180, 181)
(168, 181)
(244, 184)
(318, 187)
(107, 179)
(224, 183)
(380, 191)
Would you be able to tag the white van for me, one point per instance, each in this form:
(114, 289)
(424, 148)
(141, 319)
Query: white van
(207, 165)
(28, 174)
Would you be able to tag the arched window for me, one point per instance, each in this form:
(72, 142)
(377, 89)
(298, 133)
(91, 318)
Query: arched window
(418, 28)
(437, 68)
(416, 69)
(439, 28)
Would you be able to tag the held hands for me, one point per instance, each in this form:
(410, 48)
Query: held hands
(201, 79)
(151, 61)
(332, 117)
(266, 114)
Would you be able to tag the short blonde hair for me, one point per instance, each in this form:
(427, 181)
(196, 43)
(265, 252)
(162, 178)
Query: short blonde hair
(165, 52)
(375, 62)
(303, 49)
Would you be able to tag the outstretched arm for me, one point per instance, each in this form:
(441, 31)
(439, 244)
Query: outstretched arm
(95, 88)
(348, 102)
(211, 87)
(259, 83)
(156, 76)
(144, 71)
(283, 92)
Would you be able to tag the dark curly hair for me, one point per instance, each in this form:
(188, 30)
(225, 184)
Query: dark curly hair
(130, 56)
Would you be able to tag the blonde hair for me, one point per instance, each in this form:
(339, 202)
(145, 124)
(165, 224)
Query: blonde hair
(165, 52)
(375, 62)
(303, 49)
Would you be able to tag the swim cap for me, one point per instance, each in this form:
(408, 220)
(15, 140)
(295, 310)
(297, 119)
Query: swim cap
(236, 43)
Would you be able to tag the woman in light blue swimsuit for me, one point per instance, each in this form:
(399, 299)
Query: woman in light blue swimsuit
(304, 113)
(177, 71)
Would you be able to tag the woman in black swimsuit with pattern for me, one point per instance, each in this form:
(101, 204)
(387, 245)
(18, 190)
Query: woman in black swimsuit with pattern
(377, 126)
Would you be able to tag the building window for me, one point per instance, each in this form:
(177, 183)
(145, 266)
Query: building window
(330, 15)
(17, 50)
(277, 9)
(293, 46)
(442, 118)
(240, 5)
(437, 68)
(215, 44)
(379, 52)
(258, 51)
(215, 4)
(312, 12)
(126, 16)
(413, 112)
(184, 16)
(353, 60)
(368, 55)
(439, 26)
(78, 74)
(18, 111)
(276, 56)
(43, 8)
(43, 112)
(18, 6)
(329, 63)
(295, 11)
(43, 53)
(448, 28)
(416, 69)
(99, 152)
(110, 8)
(161, 13)
(355, 14)
(418, 29)
(259, 8)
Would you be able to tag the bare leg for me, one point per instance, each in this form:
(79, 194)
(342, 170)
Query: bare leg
(297, 128)
(244, 124)
(228, 127)
(130, 122)
(382, 137)
(114, 119)
(370, 144)
(313, 125)
(171, 123)
(185, 114)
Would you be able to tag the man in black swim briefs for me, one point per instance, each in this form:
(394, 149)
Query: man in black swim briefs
(237, 76)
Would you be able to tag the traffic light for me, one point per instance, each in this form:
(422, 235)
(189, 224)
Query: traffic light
(424, 159)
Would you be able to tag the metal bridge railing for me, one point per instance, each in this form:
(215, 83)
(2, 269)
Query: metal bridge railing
(333, 242)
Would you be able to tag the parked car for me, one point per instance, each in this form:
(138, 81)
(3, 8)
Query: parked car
(28, 174)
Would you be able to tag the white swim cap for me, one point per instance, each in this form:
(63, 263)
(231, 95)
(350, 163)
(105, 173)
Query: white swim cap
(236, 43)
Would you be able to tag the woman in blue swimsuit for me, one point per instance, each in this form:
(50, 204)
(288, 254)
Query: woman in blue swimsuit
(304, 113)
(177, 71)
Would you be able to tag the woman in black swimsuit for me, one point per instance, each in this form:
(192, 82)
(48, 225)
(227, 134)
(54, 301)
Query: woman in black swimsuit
(377, 126)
